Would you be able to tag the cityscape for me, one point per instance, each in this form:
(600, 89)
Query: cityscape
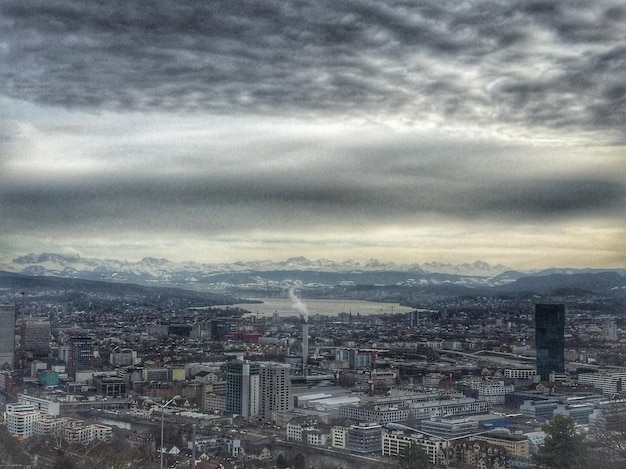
(105, 374)
(324, 234)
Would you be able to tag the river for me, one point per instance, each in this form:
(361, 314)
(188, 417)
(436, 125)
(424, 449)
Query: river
(127, 425)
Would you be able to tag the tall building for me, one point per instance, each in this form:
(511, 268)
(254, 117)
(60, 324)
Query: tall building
(550, 339)
(7, 336)
(242, 388)
(80, 355)
(36, 337)
(275, 384)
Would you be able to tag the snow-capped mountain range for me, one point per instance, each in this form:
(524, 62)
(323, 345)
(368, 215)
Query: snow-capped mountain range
(69, 265)
(151, 271)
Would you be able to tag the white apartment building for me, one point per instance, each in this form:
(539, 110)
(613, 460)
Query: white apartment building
(494, 391)
(394, 442)
(42, 405)
(50, 426)
(78, 432)
(417, 410)
(338, 437)
(308, 430)
(520, 373)
(611, 382)
(20, 418)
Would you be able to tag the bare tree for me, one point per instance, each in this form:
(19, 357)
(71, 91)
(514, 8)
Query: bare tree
(608, 435)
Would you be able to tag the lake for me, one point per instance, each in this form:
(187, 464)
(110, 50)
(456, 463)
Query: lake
(284, 307)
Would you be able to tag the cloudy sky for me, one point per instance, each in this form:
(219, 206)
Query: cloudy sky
(407, 131)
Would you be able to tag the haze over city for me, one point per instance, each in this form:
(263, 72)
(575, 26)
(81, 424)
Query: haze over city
(226, 131)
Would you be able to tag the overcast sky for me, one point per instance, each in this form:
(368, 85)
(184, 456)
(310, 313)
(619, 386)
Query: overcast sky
(407, 131)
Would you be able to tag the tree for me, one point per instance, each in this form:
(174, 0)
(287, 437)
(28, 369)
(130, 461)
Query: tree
(64, 462)
(608, 436)
(414, 457)
(563, 447)
(281, 463)
(298, 461)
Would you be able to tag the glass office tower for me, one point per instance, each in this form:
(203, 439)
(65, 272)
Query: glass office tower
(550, 339)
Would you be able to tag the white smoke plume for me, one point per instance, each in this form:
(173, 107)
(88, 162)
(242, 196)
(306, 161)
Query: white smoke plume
(299, 306)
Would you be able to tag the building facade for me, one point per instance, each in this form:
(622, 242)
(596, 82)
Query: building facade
(550, 339)
(365, 438)
(41, 405)
(394, 442)
(275, 391)
(7, 336)
(384, 414)
(20, 419)
(242, 388)
(610, 382)
(36, 337)
(80, 355)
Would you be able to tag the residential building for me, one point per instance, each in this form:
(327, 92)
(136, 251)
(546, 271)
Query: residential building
(50, 425)
(610, 382)
(78, 432)
(394, 443)
(384, 414)
(308, 430)
(275, 391)
(516, 445)
(478, 454)
(214, 396)
(20, 418)
(338, 437)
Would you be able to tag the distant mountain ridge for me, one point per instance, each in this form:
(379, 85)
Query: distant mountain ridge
(48, 262)
(296, 270)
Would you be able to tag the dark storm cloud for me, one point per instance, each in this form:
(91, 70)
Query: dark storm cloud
(294, 200)
(470, 61)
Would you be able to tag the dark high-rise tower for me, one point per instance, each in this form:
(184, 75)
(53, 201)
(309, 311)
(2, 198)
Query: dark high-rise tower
(550, 339)
(80, 356)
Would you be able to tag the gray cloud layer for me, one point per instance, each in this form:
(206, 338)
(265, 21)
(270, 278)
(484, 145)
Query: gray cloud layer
(196, 114)
(545, 63)
(325, 193)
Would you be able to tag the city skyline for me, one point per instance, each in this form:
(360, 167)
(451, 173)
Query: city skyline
(489, 130)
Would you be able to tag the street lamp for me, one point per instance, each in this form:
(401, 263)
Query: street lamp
(163, 406)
